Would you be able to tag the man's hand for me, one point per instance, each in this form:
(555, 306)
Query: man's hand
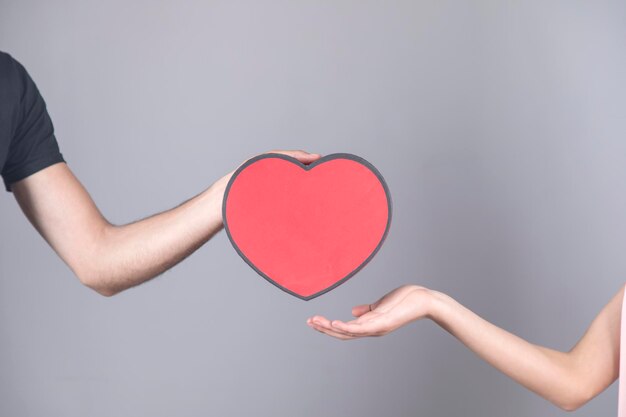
(111, 258)
(303, 156)
(396, 309)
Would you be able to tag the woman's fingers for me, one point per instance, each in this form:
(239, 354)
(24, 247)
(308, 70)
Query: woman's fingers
(396, 309)
(322, 325)
(358, 311)
(351, 330)
(359, 329)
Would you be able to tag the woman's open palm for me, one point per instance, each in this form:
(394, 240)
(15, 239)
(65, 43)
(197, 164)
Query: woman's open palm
(399, 307)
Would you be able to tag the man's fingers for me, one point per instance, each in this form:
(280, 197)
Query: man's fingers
(302, 156)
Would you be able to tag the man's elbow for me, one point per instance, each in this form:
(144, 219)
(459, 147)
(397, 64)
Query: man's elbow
(97, 282)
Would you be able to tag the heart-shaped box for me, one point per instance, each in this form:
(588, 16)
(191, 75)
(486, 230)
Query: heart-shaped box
(307, 228)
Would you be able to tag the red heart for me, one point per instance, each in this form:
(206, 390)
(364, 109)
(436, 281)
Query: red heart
(307, 228)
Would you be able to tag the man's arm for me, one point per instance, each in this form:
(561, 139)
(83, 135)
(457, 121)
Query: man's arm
(567, 379)
(110, 258)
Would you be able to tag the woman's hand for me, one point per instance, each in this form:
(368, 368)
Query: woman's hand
(567, 379)
(399, 307)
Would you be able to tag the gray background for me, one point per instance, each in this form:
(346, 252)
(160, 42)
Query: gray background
(499, 127)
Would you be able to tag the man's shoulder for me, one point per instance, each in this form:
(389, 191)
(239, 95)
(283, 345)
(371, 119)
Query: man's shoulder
(4, 56)
(10, 69)
(13, 78)
(7, 62)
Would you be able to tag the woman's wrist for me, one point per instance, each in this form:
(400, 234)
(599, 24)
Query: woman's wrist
(438, 306)
(425, 303)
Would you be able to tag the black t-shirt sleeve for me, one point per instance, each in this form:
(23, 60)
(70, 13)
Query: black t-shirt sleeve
(33, 146)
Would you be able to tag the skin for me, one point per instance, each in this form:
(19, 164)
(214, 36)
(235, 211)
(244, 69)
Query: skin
(112, 258)
(567, 379)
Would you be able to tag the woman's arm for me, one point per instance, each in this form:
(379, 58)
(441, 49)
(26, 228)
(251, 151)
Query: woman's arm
(567, 379)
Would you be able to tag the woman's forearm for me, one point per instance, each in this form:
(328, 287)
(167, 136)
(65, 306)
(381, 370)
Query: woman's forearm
(566, 379)
(559, 377)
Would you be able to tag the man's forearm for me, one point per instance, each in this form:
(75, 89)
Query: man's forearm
(126, 256)
(112, 258)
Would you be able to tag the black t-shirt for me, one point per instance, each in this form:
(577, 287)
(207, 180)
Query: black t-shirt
(27, 142)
